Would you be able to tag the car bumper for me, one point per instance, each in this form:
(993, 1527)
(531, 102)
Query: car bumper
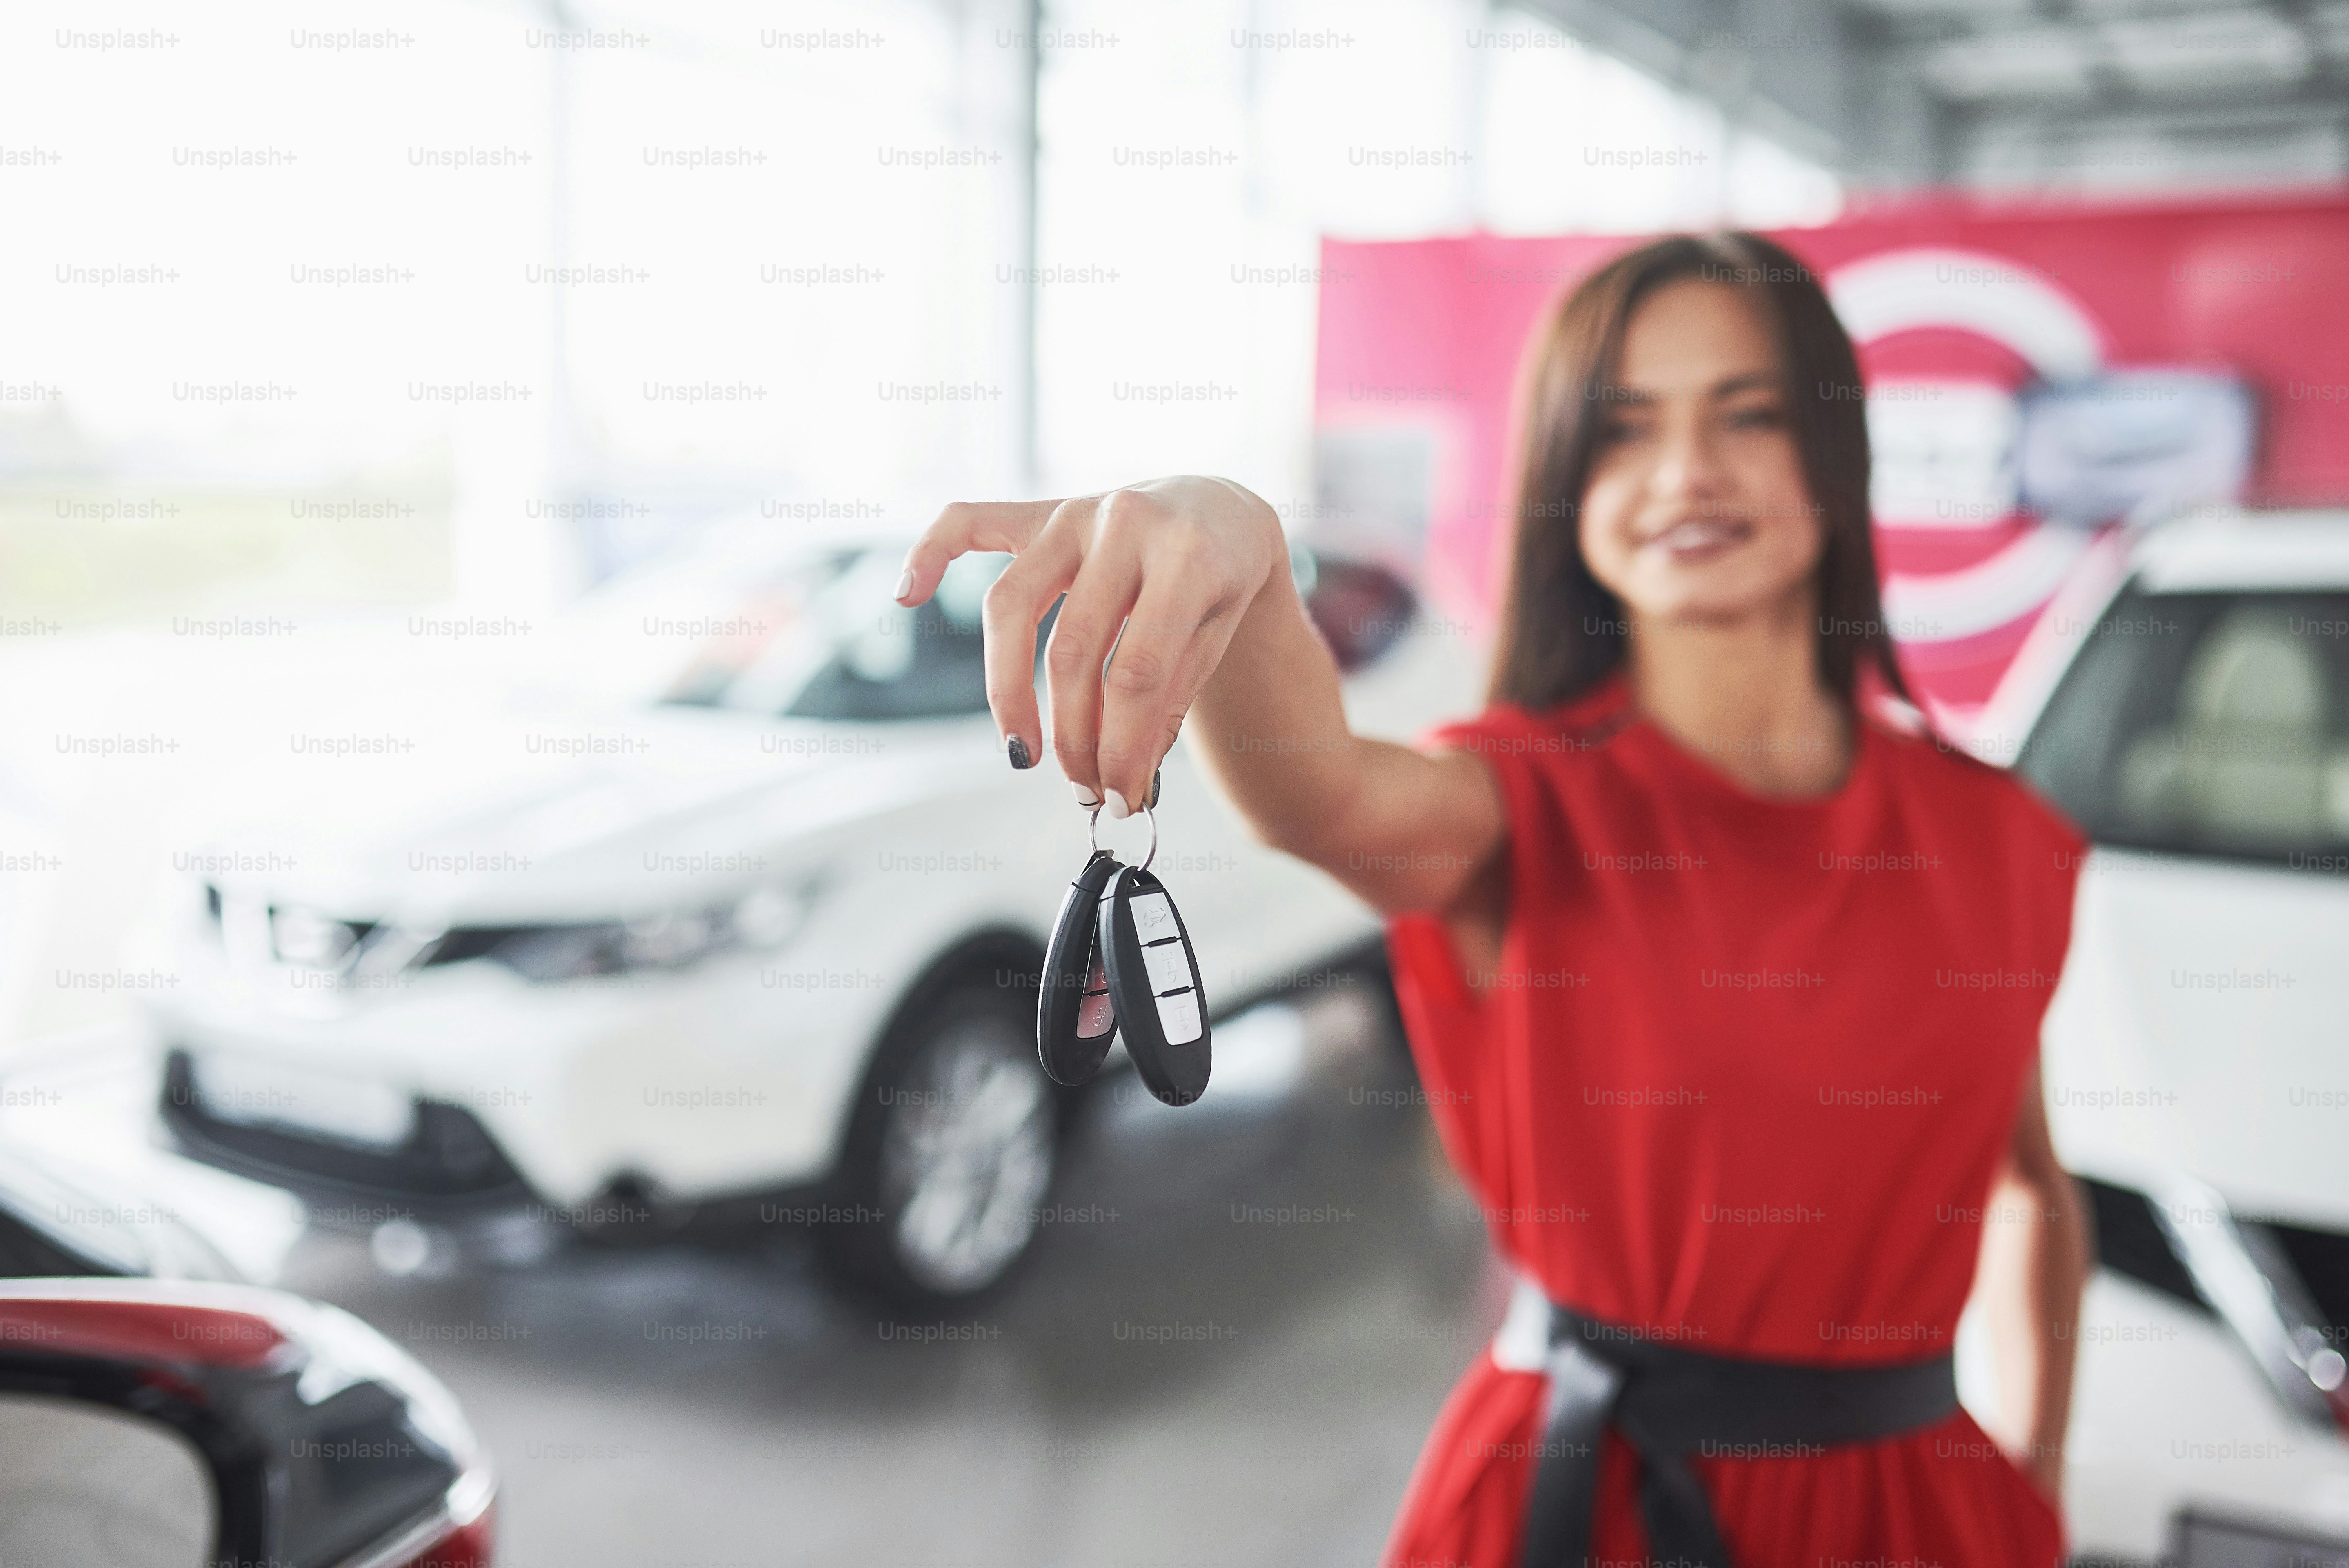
(731, 1078)
(2172, 1421)
(449, 1170)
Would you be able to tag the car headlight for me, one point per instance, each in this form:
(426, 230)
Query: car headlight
(767, 917)
(760, 919)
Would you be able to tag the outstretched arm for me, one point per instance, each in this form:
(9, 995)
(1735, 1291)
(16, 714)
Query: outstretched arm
(1186, 580)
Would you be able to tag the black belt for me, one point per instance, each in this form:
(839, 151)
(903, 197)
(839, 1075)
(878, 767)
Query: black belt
(1671, 1403)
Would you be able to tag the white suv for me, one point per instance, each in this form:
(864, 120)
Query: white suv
(761, 952)
(2187, 704)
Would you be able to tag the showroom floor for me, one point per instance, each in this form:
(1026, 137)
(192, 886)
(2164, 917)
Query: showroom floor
(1225, 1355)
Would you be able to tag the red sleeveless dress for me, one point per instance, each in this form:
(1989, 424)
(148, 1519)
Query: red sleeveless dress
(1741, 1083)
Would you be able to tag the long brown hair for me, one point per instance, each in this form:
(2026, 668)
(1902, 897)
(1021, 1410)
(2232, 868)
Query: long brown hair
(1561, 630)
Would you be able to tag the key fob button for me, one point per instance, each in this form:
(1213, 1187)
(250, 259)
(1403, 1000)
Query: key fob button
(1076, 1012)
(1154, 918)
(1154, 983)
(1179, 1016)
(1098, 1015)
(1169, 966)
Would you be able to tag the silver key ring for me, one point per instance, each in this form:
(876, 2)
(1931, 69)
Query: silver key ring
(1092, 834)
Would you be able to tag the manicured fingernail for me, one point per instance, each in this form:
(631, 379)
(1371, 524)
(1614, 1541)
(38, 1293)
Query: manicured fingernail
(1017, 750)
(1118, 810)
(1085, 796)
(905, 583)
(1158, 778)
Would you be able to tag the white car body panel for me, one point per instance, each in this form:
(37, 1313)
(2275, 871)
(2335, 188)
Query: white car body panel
(2147, 1067)
(2167, 1408)
(2198, 1032)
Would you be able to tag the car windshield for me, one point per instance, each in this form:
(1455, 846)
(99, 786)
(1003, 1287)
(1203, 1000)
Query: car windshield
(2207, 724)
(825, 638)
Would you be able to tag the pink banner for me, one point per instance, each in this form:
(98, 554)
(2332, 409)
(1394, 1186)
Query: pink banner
(2033, 375)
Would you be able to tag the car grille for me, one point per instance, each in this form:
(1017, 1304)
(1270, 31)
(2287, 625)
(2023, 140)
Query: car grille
(2322, 1259)
(2130, 1242)
(448, 1162)
(2277, 1287)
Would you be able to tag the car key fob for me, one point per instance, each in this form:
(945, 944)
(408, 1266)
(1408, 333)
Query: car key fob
(1162, 1009)
(1075, 1019)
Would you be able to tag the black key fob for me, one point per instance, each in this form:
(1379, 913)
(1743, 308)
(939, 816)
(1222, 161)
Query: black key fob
(1075, 1019)
(1162, 1009)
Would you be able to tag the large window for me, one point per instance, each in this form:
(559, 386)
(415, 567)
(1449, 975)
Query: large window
(2213, 723)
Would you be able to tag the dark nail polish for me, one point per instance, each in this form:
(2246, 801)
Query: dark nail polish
(1018, 750)
(1157, 776)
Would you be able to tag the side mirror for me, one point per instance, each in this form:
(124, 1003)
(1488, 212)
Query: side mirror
(152, 1424)
(85, 1483)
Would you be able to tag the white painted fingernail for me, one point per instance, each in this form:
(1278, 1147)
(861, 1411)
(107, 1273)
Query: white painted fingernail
(1118, 810)
(1085, 796)
(905, 583)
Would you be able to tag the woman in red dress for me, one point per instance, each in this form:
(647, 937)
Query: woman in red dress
(1726, 982)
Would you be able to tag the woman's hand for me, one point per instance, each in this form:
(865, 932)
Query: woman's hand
(1194, 572)
(1176, 561)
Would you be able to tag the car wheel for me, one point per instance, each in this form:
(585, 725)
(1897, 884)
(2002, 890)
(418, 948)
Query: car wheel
(949, 1155)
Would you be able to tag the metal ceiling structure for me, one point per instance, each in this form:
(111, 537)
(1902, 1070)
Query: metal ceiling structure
(2074, 96)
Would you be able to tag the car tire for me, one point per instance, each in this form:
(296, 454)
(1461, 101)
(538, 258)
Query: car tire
(950, 1152)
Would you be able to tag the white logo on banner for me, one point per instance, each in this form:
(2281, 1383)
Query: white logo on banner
(1946, 451)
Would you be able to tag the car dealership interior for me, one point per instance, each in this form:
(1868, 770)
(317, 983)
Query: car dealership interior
(558, 1009)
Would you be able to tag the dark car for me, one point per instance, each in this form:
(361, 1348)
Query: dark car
(154, 1424)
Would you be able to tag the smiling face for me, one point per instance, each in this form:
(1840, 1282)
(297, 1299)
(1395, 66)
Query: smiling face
(1696, 508)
